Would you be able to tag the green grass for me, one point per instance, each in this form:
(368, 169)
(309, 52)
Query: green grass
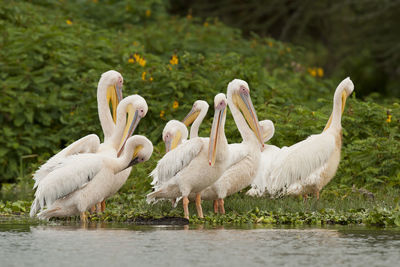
(346, 207)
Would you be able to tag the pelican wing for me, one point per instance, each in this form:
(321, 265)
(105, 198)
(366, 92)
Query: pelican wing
(75, 172)
(175, 160)
(297, 162)
(87, 144)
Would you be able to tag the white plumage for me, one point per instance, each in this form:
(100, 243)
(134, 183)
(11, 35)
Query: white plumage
(243, 159)
(109, 89)
(174, 134)
(310, 164)
(195, 169)
(98, 186)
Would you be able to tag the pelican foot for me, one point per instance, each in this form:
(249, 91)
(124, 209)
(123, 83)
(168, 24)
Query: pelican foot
(216, 206)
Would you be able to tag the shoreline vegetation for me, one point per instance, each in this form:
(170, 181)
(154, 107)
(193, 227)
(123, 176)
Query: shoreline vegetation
(346, 207)
(41, 113)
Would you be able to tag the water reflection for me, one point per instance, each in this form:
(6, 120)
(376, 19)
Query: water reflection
(105, 244)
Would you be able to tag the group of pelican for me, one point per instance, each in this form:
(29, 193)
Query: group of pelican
(84, 174)
(211, 169)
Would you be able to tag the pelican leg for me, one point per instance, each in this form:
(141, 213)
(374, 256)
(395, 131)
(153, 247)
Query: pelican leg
(185, 202)
(83, 217)
(103, 205)
(317, 195)
(221, 206)
(93, 209)
(216, 206)
(98, 207)
(305, 197)
(198, 206)
(173, 202)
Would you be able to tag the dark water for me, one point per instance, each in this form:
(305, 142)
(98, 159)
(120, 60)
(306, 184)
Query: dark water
(124, 245)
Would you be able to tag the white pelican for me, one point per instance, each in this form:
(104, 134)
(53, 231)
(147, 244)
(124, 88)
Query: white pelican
(194, 165)
(98, 183)
(58, 182)
(196, 116)
(109, 89)
(309, 165)
(176, 133)
(238, 152)
(244, 157)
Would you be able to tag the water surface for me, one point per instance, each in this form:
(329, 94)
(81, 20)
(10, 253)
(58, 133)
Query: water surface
(121, 245)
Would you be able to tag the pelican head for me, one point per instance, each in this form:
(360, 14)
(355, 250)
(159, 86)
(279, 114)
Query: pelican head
(343, 91)
(173, 134)
(267, 129)
(239, 92)
(197, 107)
(114, 82)
(136, 108)
(138, 148)
(217, 129)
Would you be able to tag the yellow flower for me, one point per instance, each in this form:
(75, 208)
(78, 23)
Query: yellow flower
(143, 75)
(270, 44)
(175, 105)
(169, 67)
(131, 60)
(174, 60)
(312, 71)
(151, 79)
(148, 13)
(289, 49)
(205, 24)
(95, 1)
(69, 22)
(136, 56)
(313, 113)
(320, 72)
(389, 118)
(135, 43)
(189, 16)
(162, 113)
(142, 62)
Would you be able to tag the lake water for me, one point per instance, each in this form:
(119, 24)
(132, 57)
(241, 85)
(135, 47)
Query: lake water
(127, 245)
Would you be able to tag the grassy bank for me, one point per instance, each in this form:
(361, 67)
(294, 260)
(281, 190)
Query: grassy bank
(334, 207)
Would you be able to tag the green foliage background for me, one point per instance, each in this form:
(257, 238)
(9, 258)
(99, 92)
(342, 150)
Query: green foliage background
(52, 54)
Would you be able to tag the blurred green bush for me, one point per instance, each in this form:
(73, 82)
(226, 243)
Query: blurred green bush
(53, 53)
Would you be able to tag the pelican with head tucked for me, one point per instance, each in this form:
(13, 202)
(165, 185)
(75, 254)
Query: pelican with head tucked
(76, 170)
(309, 165)
(109, 90)
(176, 133)
(97, 186)
(194, 165)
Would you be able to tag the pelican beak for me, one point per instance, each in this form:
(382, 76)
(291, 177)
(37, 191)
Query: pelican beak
(167, 146)
(215, 133)
(114, 94)
(344, 98)
(135, 158)
(243, 101)
(131, 124)
(190, 117)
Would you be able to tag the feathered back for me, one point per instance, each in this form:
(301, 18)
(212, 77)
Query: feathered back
(87, 144)
(297, 162)
(175, 160)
